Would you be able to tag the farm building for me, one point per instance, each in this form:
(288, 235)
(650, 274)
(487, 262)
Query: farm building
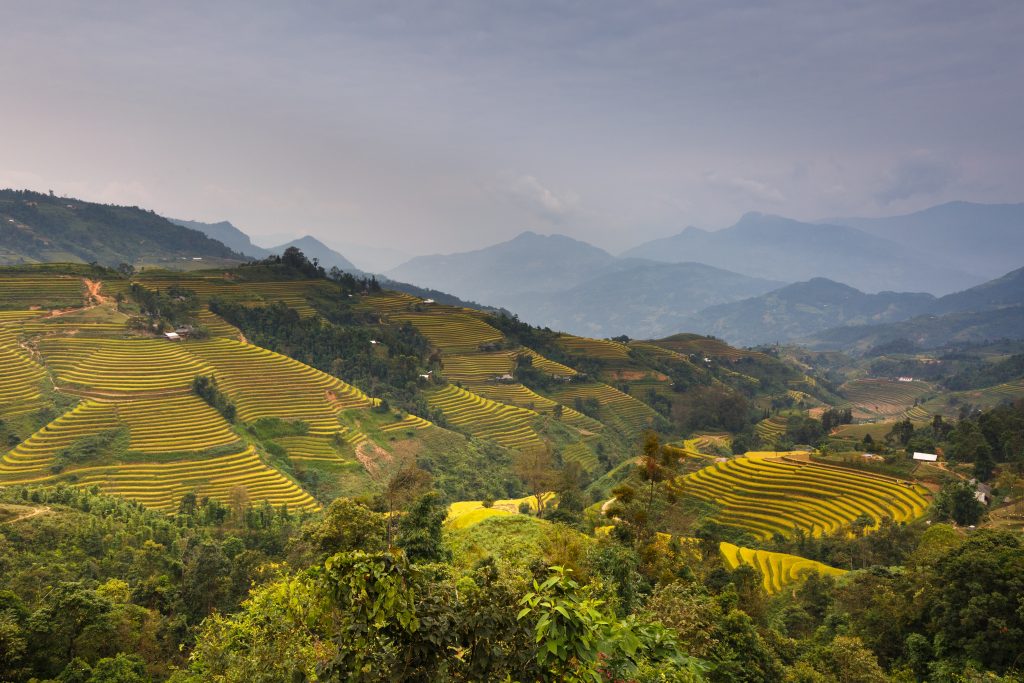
(926, 457)
(173, 336)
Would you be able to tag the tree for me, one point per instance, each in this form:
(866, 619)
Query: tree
(956, 501)
(120, 669)
(536, 468)
(347, 526)
(403, 486)
(419, 531)
(976, 605)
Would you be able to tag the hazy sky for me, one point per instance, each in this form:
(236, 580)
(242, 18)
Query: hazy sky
(444, 126)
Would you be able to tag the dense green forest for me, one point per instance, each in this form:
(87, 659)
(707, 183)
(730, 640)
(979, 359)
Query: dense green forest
(99, 590)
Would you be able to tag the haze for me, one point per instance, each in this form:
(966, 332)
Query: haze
(446, 126)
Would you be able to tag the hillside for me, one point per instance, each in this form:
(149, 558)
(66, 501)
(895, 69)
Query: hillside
(982, 239)
(105, 415)
(778, 248)
(45, 228)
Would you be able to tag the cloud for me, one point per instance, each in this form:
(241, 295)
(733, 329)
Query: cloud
(541, 200)
(919, 174)
(746, 186)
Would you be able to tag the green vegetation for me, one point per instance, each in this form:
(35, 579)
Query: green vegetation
(331, 482)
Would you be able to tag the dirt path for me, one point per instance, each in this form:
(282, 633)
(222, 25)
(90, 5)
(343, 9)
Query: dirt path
(35, 512)
(94, 286)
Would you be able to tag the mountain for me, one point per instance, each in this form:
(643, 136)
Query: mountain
(314, 248)
(242, 243)
(926, 332)
(983, 239)
(639, 298)
(779, 248)
(40, 227)
(527, 263)
(802, 309)
(565, 284)
(1007, 290)
(227, 233)
(992, 310)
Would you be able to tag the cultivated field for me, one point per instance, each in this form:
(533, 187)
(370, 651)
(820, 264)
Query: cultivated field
(506, 425)
(454, 333)
(769, 496)
(882, 397)
(778, 569)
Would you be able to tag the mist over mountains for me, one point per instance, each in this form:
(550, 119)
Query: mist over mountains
(766, 279)
(780, 248)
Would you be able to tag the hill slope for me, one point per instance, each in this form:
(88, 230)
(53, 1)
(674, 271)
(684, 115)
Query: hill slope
(42, 228)
(779, 248)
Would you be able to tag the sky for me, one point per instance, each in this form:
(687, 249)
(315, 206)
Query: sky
(433, 127)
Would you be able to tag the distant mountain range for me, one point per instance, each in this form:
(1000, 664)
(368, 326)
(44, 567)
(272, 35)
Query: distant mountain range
(687, 282)
(780, 248)
(991, 311)
(803, 308)
(241, 242)
(983, 239)
(36, 227)
(824, 313)
(566, 284)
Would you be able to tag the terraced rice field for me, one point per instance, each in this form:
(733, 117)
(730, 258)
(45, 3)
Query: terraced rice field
(468, 512)
(600, 349)
(772, 428)
(318, 447)
(478, 368)
(406, 423)
(20, 375)
(633, 415)
(99, 366)
(1009, 390)
(882, 397)
(454, 333)
(173, 424)
(546, 364)
(292, 294)
(176, 424)
(387, 303)
(769, 496)
(162, 485)
(263, 383)
(916, 414)
(692, 344)
(506, 425)
(20, 291)
(581, 454)
(216, 325)
(778, 569)
(31, 459)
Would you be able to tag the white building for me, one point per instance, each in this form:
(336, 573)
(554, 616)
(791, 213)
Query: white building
(926, 457)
